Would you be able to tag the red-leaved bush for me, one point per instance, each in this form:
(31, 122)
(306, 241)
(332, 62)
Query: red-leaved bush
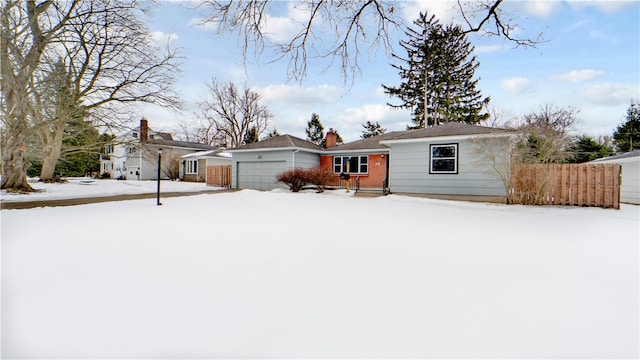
(296, 179)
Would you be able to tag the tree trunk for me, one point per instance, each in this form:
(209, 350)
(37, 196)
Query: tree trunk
(52, 148)
(14, 162)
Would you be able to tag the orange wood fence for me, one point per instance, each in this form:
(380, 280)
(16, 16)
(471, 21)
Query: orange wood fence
(219, 176)
(566, 184)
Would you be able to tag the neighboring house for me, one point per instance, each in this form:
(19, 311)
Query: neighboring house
(134, 155)
(451, 160)
(630, 173)
(256, 165)
(193, 167)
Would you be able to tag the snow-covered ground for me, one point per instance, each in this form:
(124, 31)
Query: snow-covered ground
(85, 187)
(279, 275)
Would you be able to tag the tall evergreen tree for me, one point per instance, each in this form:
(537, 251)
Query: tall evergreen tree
(585, 149)
(627, 136)
(251, 136)
(437, 76)
(273, 133)
(315, 130)
(371, 129)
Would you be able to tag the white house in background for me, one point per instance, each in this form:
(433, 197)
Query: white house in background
(193, 167)
(630, 164)
(134, 155)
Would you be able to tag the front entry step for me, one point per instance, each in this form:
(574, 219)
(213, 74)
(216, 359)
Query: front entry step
(369, 193)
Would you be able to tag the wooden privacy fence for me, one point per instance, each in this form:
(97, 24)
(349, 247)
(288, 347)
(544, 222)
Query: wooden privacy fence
(219, 176)
(566, 184)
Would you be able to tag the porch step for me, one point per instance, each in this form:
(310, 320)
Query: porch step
(369, 193)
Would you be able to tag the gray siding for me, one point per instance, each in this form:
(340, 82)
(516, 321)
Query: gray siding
(409, 170)
(303, 159)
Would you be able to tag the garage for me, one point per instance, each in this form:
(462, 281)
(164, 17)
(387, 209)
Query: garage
(260, 175)
(256, 165)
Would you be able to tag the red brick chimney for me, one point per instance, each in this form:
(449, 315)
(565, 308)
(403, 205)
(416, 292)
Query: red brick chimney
(332, 138)
(144, 130)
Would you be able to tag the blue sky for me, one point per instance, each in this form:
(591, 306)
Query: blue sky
(590, 61)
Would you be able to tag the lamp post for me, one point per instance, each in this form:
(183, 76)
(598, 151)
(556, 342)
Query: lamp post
(159, 166)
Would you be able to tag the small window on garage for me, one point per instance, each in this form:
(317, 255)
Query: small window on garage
(443, 159)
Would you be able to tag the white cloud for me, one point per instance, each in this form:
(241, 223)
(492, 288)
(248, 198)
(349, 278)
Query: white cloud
(517, 85)
(445, 10)
(543, 9)
(162, 39)
(608, 6)
(284, 28)
(323, 94)
(488, 49)
(610, 94)
(578, 75)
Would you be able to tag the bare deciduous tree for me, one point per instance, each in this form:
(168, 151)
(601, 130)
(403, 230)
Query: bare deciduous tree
(337, 30)
(27, 29)
(92, 61)
(547, 135)
(234, 112)
(104, 58)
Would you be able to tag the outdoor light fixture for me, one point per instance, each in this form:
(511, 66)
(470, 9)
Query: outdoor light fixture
(259, 156)
(159, 165)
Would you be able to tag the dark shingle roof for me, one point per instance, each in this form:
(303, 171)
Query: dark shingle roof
(279, 142)
(449, 129)
(371, 143)
(181, 144)
(635, 153)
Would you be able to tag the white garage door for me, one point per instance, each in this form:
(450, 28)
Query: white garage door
(259, 175)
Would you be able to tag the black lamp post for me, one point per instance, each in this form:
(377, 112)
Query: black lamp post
(159, 166)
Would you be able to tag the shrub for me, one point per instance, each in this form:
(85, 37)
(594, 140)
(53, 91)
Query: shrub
(319, 177)
(296, 179)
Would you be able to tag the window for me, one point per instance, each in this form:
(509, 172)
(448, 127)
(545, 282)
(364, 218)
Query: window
(444, 159)
(357, 164)
(134, 134)
(108, 149)
(192, 166)
(131, 150)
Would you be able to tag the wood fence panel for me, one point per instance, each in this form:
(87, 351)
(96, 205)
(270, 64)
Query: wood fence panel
(566, 184)
(219, 176)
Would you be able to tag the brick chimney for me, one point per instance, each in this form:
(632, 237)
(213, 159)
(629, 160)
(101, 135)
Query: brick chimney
(144, 130)
(332, 138)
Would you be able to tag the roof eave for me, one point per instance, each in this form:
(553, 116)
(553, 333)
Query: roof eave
(446, 138)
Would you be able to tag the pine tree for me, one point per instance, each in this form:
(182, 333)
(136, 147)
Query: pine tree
(627, 136)
(371, 129)
(251, 136)
(272, 134)
(315, 130)
(585, 149)
(437, 76)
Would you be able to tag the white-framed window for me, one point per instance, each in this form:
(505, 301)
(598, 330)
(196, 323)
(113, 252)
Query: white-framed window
(357, 164)
(191, 167)
(134, 134)
(108, 149)
(106, 167)
(131, 150)
(443, 159)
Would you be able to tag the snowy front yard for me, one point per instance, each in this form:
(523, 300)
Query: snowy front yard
(281, 275)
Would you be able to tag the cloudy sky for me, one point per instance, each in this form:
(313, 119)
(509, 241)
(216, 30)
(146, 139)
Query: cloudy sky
(589, 60)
